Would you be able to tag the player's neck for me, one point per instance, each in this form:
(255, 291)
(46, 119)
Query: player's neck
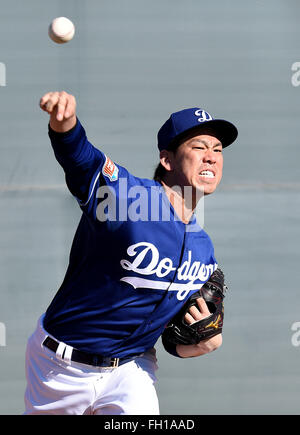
(183, 200)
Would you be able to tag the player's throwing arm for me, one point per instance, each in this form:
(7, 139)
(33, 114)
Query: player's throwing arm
(61, 107)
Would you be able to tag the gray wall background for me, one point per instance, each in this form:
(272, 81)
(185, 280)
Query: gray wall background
(131, 64)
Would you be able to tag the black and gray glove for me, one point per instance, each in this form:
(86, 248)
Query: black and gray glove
(213, 292)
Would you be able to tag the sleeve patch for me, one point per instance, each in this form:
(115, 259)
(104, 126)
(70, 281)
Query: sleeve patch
(110, 170)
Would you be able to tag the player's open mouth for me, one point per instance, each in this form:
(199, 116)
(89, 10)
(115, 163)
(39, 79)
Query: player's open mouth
(207, 174)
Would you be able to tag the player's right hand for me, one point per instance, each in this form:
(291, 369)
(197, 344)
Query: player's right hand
(61, 107)
(195, 314)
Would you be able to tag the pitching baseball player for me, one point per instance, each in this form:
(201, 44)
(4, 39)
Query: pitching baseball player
(137, 258)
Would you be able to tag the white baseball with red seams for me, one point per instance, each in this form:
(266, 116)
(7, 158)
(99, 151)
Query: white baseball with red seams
(61, 30)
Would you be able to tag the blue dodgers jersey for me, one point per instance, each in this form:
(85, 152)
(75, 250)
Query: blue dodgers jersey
(132, 264)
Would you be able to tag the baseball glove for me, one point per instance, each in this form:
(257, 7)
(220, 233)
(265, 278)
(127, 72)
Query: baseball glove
(213, 292)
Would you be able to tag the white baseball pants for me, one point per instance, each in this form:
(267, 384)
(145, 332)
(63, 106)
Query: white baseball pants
(59, 386)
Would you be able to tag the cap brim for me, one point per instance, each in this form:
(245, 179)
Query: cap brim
(225, 131)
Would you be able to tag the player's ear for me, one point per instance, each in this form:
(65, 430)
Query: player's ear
(167, 160)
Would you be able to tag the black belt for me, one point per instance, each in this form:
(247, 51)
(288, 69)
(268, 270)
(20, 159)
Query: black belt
(88, 358)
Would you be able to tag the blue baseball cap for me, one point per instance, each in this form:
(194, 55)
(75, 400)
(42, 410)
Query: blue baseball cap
(190, 121)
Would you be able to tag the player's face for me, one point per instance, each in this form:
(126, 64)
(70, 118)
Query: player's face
(198, 162)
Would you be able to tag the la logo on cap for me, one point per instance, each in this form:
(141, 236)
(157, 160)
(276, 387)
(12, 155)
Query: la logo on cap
(203, 116)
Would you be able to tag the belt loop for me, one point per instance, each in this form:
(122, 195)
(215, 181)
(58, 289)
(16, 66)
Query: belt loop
(115, 362)
(43, 342)
(68, 354)
(60, 350)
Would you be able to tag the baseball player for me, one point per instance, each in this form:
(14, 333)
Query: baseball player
(137, 256)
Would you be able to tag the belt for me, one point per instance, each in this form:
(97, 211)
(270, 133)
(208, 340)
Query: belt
(82, 357)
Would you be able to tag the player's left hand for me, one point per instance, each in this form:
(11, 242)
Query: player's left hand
(196, 329)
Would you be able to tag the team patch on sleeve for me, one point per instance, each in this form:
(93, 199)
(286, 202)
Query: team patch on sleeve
(110, 170)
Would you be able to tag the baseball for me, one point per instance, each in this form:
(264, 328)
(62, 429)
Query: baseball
(61, 30)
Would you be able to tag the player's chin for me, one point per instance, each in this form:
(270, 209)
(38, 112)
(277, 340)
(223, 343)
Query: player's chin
(208, 190)
(207, 187)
